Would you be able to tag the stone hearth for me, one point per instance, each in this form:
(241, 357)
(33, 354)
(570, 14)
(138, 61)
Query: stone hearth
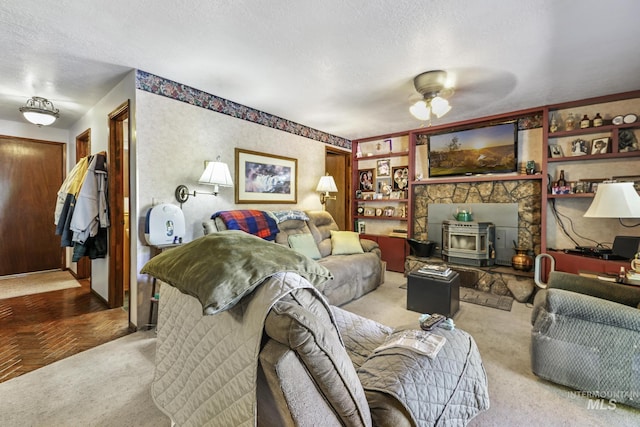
(496, 279)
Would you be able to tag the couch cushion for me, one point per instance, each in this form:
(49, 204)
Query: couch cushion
(304, 244)
(220, 268)
(316, 341)
(345, 243)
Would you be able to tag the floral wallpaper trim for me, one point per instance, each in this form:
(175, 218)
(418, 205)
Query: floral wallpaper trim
(174, 90)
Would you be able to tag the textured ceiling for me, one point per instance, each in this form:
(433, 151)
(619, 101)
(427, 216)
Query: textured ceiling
(343, 67)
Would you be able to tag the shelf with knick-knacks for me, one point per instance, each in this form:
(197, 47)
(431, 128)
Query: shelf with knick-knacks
(579, 131)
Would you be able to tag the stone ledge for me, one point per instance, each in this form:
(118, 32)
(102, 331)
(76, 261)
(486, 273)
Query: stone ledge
(498, 280)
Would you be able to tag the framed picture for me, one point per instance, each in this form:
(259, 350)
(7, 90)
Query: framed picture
(555, 151)
(369, 211)
(600, 146)
(383, 186)
(265, 178)
(579, 147)
(366, 179)
(400, 177)
(384, 167)
(396, 195)
(631, 178)
(361, 227)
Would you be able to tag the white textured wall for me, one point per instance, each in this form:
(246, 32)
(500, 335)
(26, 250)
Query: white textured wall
(97, 119)
(173, 141)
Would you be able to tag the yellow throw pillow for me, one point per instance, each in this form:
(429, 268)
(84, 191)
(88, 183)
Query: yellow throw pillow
(345, 243)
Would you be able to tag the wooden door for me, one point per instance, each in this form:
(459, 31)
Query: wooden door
(31, 173)
(337, 165)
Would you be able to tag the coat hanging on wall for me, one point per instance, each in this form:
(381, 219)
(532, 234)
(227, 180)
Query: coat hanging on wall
(82, 214)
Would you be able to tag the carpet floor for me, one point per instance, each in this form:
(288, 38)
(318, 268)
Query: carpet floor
(32, 283)
(109, 385)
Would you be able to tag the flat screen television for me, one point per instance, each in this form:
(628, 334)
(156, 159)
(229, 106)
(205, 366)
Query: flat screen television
(480, 150)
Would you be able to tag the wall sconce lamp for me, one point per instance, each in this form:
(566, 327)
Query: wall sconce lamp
(326, 185)
(215, 173)
(615, 200)
(39, 111)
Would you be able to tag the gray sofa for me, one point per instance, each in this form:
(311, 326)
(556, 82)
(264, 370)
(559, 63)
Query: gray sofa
(586, 335)
(353, 275)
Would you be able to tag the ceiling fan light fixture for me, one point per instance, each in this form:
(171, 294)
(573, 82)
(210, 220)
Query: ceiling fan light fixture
(420, 110)
(440, 106)
(431, 85)
(39, 111)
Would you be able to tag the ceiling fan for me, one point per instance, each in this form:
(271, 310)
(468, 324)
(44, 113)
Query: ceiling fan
(432, 85)
(474, 87)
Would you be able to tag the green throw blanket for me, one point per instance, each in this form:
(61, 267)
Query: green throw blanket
(221, 268)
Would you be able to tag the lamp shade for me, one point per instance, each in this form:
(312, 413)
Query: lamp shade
(615, 200)
(327, 184)
(216, 173)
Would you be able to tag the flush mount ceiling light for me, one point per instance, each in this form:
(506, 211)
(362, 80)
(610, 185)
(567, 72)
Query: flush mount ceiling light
(431, 85)
(39, 111)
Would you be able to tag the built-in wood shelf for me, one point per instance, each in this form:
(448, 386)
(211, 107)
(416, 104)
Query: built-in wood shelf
(477, 178)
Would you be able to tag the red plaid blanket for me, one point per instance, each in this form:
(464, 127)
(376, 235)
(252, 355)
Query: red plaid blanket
(258, 223)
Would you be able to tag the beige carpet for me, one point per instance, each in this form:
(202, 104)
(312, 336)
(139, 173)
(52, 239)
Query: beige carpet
(35, 283)
(109, 385)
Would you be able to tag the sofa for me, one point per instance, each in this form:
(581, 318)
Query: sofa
(245, 338)
(586, 335)
(356, 270)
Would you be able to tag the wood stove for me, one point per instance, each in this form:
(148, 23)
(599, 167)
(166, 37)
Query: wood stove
(468, 243)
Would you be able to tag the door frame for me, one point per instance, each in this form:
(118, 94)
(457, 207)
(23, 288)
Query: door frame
(83, 149)
(118, 266)
(346, 156)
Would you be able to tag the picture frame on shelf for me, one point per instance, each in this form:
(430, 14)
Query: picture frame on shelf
(384, 168)
(579, 147)
(396, 195)
(369, 211)
(627, 141)
(400, 177)
(379, 211)
(555, 151)
(384, 187)
(368, 195)
(365, 178)
(600, 146)
(265, 178)
(361, 227)
(630, 178)
(389, 211)
(384, 147)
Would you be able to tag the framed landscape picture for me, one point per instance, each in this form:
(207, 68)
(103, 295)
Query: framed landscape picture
(265, 178)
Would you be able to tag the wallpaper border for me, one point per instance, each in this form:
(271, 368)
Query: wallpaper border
(168, 88)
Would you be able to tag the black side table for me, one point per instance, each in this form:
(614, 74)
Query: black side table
(429, 294)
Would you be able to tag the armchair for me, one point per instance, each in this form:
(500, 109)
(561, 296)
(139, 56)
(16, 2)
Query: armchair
(586, 335)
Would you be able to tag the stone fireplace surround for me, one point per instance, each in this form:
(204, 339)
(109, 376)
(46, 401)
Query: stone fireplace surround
(497, 280)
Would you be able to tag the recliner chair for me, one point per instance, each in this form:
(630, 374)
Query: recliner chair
(586, 335)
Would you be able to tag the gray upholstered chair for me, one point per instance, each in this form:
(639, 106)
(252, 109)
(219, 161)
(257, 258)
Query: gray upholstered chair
(586, 335)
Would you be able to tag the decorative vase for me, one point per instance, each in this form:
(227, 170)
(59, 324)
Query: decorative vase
(522, 260)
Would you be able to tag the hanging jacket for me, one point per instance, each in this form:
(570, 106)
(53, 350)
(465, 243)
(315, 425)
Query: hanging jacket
(70, 186)
(90, 211)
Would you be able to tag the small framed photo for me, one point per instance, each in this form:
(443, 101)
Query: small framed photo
(600, 146)
(368, 196)
(389, 211)
(384, 167)
(400, 177)
(361, 227)
(369, 211)
(384, 186)
(396, 194)
(379, 211)
(366, 179)
(579, 147)
(555, 151)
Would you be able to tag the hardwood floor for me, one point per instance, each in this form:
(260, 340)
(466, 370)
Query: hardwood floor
(37, 330)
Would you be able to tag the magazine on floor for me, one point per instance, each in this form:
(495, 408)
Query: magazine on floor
(420, 341)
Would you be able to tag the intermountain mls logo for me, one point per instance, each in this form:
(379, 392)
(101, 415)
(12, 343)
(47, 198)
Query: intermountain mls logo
(604, 400)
